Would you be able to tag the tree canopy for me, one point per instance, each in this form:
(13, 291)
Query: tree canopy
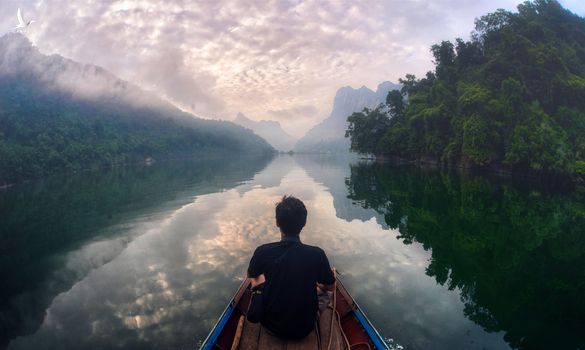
(45, 131)
(512, 96)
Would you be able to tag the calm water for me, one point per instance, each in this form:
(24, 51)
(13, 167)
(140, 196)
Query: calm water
(148, 257)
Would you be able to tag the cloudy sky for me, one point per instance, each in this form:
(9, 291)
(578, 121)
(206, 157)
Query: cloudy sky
(270, 59)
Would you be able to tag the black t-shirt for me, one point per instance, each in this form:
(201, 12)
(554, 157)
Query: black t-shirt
(292, 270)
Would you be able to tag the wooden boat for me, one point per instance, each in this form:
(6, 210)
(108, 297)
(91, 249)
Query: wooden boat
(346, 328)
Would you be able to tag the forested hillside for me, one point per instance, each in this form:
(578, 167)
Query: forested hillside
(511, 97)
(58, 115)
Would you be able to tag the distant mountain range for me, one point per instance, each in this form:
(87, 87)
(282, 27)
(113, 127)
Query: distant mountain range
(57, 115)
(329, 135)
(270, 130)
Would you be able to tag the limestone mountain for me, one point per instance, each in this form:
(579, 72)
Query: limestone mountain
(269, 130)
(329, 135)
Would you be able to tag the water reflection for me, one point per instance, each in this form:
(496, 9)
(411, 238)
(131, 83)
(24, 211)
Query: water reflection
(158, 269)
(332, 171)
(516, 254)
(54, 232)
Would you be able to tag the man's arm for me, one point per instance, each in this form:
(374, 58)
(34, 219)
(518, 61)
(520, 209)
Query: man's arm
(255, 271)
(328, 287)
(327, 275)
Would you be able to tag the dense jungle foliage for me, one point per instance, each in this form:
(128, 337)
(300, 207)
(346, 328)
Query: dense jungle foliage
(46, 130)
(513, 96)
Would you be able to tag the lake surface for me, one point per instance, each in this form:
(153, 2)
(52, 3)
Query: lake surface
(148, 257)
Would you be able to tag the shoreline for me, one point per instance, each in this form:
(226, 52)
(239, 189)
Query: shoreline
(146, 162)
(544, 181)
(500, 170)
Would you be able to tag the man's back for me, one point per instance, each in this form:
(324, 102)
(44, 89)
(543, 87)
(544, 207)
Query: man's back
(292, 270)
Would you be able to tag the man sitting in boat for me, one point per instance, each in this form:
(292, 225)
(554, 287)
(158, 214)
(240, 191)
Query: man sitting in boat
(288, 272)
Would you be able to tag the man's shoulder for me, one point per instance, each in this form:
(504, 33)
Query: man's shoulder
(313, 249)
(267, 246)
(277, 246)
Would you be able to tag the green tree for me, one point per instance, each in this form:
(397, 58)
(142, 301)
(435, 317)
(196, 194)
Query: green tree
(540, 144)
(366, 128)
(396, 105)
(513, 96)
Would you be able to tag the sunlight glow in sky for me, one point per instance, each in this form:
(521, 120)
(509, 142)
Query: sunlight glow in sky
(278, 59)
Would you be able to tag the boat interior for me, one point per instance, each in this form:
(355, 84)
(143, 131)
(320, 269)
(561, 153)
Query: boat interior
(337, 328)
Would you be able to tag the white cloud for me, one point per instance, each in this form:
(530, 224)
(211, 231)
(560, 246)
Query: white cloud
(254, 56)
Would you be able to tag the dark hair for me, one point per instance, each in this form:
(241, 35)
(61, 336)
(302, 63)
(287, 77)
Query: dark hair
(291, 215)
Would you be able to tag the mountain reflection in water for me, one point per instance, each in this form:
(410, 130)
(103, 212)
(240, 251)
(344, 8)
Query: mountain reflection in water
(148, 259)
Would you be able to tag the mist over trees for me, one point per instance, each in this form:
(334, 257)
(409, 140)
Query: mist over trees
(513, 96)
(57, 115)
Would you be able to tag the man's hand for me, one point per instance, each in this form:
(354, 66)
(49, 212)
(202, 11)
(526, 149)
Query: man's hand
(257, 280)
(328, 287)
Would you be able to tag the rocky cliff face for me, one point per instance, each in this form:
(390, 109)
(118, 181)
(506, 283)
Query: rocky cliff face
(269, 130)
(329, 135)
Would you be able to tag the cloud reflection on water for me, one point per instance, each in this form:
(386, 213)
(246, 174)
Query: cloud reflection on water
(169, 285)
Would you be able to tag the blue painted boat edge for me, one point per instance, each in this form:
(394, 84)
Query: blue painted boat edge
(225, 316)
(212, 337)
(372, 332)
(366, 324)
